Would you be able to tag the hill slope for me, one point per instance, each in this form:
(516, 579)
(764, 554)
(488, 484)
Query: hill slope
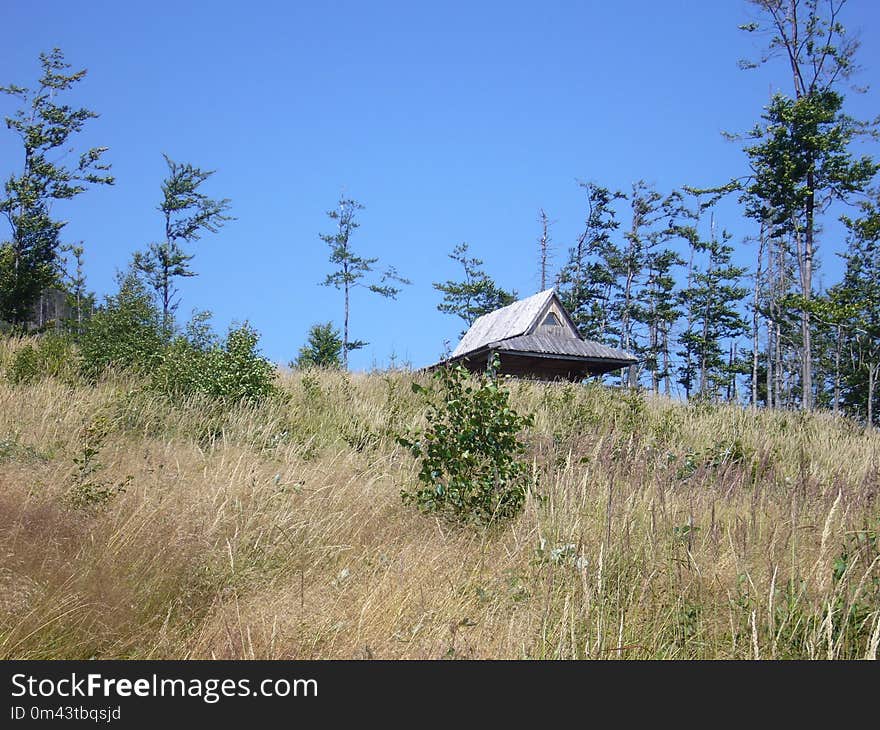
(656, 530)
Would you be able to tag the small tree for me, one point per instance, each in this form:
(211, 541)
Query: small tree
(125, 333)
(476, 295)
(545, 248)
(188, 213)
(351, 269)
(197, 362)
(323, 349)
(471, 457)
(81, 302)
(29, 260)
(589, 277)
(710, 303)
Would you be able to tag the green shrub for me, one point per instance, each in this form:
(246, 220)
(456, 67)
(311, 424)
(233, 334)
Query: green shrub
(322, 350)
(239, 371)
(24, 367)
(88, 489)
(49, 355)
(126, 333)
(471, 465)
(197, 364)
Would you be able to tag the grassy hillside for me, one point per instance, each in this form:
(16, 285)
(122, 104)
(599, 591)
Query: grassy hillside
(655, 530)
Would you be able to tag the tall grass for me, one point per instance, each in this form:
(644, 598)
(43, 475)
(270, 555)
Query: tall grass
(653, 529)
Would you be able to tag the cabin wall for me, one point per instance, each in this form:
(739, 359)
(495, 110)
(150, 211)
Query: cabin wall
(563, 329)
(533, 367)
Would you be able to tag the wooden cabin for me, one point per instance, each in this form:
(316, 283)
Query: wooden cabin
(536, 338)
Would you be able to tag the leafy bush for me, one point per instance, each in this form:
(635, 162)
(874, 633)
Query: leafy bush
(24, 367)
(196, 363)
(88, 489)
(471, 466)
(125, 333)
(49, 355)
(240, 372)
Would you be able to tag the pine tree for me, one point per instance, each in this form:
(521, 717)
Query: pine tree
(657, 308)
(646, 206)
(82, 303)
(545, 249)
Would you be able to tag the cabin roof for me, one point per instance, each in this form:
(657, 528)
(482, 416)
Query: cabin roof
(510, 321)
(556, 345)
(514, 329)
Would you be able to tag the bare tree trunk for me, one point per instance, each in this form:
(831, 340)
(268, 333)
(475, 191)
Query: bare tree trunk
(345, 325)
(654, 345)
(769, 379)
(627, 343)
(873, 370)
(731, 376)
(777, 374)
(706, 317)
(703, 366)
(667, 385)
(805, 265)
(690, 324)
(755, 302)
(779, 286)
(837, 346)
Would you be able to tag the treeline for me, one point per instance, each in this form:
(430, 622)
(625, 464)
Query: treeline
(651, 271)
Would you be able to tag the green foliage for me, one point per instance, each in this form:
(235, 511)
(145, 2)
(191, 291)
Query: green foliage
(323, 349)
(803, 152)
(11, 449)
(188, 213)
(477, 295)
(29, 261)
(710, 302)
(81, 302)
(717, 456)
(853, 308)
(351, 269)
(471, 457)
(195, 363)
(240, 372)
(126, 333)
(88, 489)
(50, 355)
(24, 367)
(587, 279)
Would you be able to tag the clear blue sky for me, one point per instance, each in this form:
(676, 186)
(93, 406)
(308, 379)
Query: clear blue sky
(450, 122)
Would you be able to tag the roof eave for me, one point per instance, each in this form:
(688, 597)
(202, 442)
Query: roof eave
(580, 358)
(610, 363)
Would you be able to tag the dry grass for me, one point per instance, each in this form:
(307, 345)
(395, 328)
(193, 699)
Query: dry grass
(656, 530)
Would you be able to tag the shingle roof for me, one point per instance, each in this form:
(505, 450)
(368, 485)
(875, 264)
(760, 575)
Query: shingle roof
(510, 321)
(555, 345)
(507, 329)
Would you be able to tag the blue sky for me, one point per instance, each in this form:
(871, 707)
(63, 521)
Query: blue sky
(449, 121)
